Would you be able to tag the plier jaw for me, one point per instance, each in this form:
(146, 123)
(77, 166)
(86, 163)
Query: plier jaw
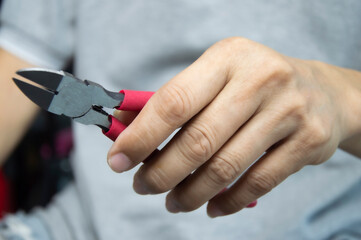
(61, 93)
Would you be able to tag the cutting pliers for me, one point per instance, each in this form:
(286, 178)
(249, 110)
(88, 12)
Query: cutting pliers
(61, 93)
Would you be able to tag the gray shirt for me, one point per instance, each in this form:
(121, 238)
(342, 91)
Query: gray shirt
(141, 45)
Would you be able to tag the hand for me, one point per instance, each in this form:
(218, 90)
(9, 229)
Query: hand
(237, 101)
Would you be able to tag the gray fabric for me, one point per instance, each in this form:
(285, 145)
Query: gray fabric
(64, 217)
(141, 45)
(23, 227)
(47, 26)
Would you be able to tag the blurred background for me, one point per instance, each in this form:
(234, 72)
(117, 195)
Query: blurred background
(39, 167)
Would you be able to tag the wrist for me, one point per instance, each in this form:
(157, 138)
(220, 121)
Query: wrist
(352, 103)
(345, 85)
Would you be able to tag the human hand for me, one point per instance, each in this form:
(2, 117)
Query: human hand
(237, 101)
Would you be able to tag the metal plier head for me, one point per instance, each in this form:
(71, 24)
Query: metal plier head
(63, 94)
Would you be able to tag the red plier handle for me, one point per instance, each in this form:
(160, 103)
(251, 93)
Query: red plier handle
(133, 101)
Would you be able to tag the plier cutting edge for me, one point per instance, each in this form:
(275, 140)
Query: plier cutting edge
(61, 93)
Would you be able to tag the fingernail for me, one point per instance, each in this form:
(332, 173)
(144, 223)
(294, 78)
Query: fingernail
(139, 187)
(120, 162)
(172, 206)
(252, 204)
(214, 211)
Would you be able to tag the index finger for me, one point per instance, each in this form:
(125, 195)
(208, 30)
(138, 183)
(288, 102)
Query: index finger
(168, 109)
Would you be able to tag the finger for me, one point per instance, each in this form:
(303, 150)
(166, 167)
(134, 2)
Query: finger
(248, 144)
(125, 117)
(261, 178)
(169, 108)
(251, 205)
(198, 140)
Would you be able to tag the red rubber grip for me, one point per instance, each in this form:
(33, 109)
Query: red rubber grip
(134, 100)
(116, 127)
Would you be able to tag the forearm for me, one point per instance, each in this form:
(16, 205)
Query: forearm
(17, 110)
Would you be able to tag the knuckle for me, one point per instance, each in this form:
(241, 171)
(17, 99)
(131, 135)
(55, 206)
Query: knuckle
(319, 133)
(223, 170)
(233, 43)
(277, 71)
(282, 68)
(231, 48)
(298, 106)
(260, 182)
(199, 142)
(295, 107)
(175, 105)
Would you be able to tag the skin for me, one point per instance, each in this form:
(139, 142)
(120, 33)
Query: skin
(12, 103)
(297, 111)
(237, 101)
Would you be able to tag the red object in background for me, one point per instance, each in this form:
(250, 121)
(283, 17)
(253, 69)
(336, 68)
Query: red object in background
(4, 195)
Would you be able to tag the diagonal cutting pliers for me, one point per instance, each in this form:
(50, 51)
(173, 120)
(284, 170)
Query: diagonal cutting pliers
(61, 93)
